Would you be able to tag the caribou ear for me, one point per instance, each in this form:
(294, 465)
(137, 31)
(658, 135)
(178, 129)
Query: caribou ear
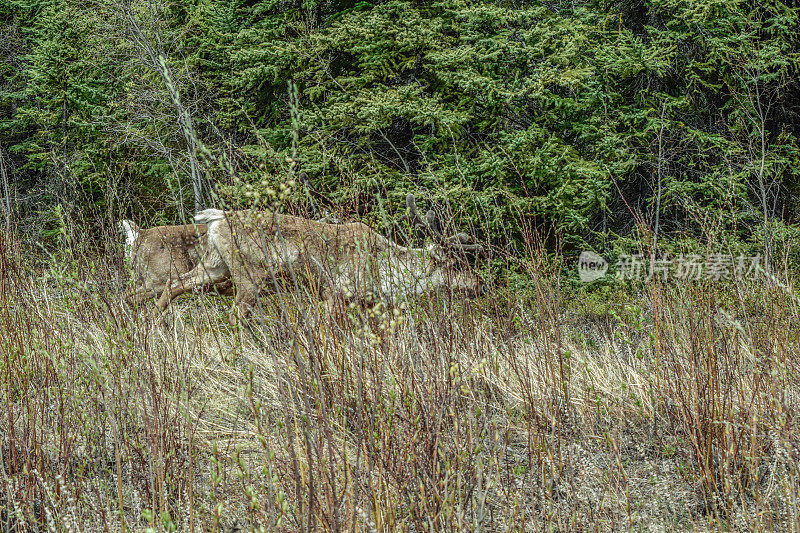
(129, 229)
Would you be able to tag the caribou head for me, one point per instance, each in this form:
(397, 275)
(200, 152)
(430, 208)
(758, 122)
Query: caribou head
(448, 254)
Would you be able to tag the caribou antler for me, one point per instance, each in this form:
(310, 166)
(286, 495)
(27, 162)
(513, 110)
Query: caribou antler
(416, 221)
(431, 225)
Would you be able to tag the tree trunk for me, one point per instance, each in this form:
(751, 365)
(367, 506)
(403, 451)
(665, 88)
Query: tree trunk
(6, 192)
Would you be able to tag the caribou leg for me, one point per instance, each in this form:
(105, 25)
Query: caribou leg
(136, 296)
(200, 276)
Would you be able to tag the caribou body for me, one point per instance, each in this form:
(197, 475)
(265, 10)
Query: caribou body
(158, 256)
(339, 263)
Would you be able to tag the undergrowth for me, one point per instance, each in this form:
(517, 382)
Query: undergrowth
(669, 406)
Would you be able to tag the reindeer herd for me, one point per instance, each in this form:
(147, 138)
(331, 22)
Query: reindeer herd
(259, 252)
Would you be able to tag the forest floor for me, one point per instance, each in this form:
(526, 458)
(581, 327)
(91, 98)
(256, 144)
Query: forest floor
(661, 407)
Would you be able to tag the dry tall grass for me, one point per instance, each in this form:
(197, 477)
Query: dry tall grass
(674, 409)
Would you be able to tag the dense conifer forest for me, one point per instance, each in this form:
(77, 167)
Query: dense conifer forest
(593, 123)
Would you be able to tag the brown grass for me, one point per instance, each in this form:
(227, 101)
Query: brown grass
(673, 408)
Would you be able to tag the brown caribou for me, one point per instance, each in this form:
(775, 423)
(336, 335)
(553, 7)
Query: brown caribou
(340, 263)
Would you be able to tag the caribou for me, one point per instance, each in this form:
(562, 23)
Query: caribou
(158, 256)
(340, 263)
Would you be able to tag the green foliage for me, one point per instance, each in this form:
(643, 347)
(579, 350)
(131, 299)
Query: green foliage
(599, 124)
